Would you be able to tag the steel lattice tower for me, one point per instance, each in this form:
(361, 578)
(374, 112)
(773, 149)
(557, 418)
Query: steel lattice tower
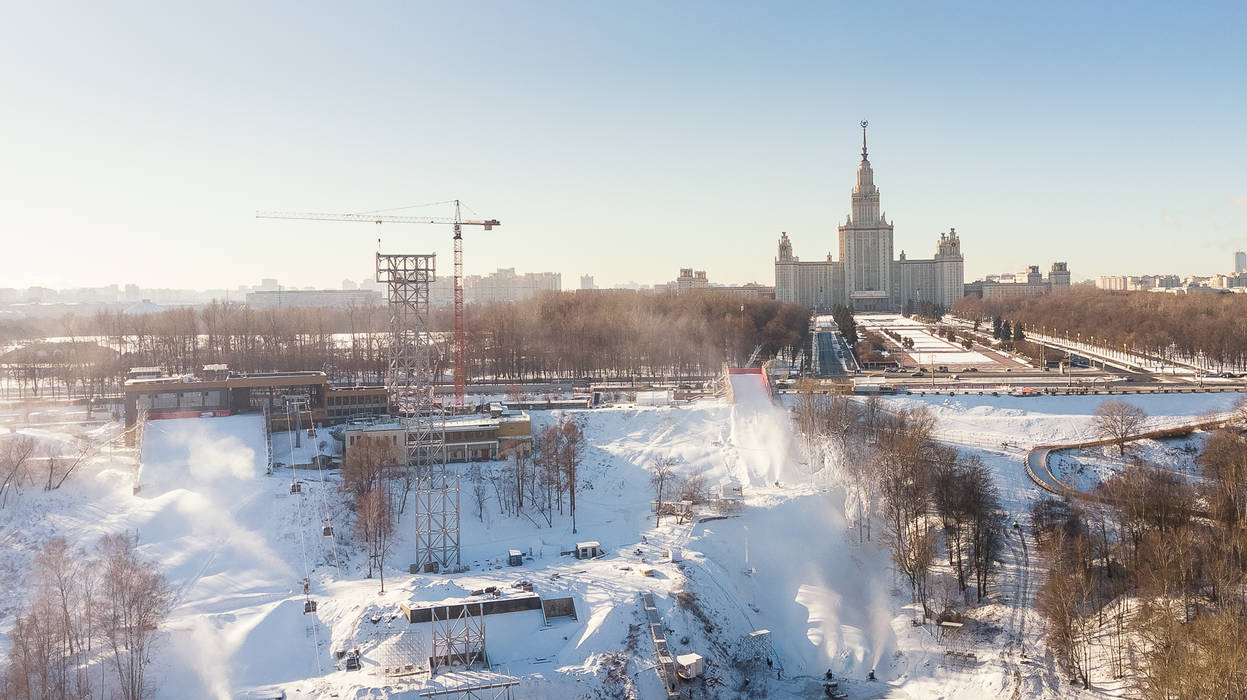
(409, 381)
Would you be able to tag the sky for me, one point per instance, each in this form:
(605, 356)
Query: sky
(623, 140)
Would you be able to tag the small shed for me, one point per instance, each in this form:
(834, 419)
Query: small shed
(689, 666)
(588, 550)
(515, 557)
(731, 488)
(675, 554)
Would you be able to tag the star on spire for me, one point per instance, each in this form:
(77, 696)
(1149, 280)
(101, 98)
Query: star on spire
(864, 125)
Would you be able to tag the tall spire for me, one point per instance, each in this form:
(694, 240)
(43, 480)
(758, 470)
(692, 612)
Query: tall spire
(864, 125)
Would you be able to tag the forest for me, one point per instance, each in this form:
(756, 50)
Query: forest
(1146, 579)
(602, 334)
(1165, 326)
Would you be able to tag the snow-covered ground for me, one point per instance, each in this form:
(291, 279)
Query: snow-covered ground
(1086, 468)
(928, 349)
(236, 544)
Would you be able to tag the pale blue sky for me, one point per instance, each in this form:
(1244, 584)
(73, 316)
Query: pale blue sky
(624, 140)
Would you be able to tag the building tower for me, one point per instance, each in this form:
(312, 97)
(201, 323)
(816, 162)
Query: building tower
(866, 244)
(1240, 262)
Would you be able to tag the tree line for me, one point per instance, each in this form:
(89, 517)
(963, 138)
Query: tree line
(1166, 326)
(598, 334)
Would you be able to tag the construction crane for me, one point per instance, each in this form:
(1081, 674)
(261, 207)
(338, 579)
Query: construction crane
(458, 222)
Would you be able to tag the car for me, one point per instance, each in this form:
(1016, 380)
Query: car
(1008, 369)
(919, 373)
(971, 369)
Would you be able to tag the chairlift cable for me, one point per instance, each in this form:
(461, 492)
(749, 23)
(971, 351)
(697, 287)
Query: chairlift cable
(325, 502)
(307, 575)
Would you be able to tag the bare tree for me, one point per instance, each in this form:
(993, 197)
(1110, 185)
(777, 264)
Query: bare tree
(480, 478)
(1118, 421)
(1062, 600)
(1224, 466)
(61, 466)
(134, 599)
(15, 454)
(374, 522)
(573, 439)
(660, 475)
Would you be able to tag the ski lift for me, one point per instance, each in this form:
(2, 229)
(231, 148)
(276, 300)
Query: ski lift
(296, 487)
(309, 607)
(327, 531)
(352, 660)
(307, 586)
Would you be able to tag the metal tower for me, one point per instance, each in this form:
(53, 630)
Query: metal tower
(410, 384)
(460, 338)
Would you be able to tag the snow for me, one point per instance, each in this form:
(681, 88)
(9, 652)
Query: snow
(971, 419)
(928, 349)
(235, 545)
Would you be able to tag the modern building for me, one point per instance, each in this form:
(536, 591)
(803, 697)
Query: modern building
(468, 438)
(691, 280)
(867, 277)
(219, 392)
(1026, 284)
(312, 298)
(504, 285)
(1240, 262)
(1113, 282)
(586, 282)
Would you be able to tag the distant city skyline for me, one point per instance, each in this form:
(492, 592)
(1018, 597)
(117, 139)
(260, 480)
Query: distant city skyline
(621, 142)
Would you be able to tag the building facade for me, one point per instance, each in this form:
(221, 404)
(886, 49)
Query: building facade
(219, 392)
(867, 277)
(1023, 284)
(312, 298)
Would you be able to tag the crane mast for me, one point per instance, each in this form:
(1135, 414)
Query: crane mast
(457, 222)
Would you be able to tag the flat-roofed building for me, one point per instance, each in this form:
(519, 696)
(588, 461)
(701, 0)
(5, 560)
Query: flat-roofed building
(468, 438)
(220, 392)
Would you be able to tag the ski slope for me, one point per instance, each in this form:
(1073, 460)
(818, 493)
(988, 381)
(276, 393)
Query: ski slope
(235, 545)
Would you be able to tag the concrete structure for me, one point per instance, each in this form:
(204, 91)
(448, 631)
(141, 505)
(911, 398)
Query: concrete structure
(301, 298)
(867, 277)
(1240, 262)
(1029, 283)
(586, 282)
